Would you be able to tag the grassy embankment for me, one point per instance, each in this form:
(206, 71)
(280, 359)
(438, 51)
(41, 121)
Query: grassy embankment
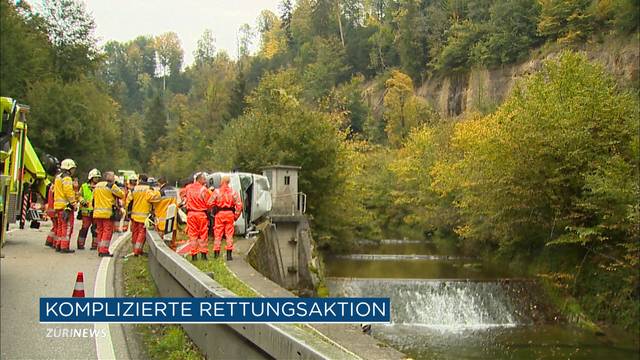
(171, 341)
(161, 341)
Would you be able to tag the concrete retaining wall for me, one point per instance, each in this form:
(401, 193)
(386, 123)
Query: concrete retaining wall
(176, 277)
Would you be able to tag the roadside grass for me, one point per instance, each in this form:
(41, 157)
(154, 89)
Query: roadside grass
(222, 274)
(161, 341)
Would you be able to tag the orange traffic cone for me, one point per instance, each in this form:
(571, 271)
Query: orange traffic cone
(78, 290)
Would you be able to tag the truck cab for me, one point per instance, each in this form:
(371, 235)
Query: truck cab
(254, 191)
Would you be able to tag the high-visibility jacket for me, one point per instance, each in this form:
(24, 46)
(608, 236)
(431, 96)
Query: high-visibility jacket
(104, 198)
(226, 199)
(86, 194)
(166, 196)
(198, 197)
(63, 192)
(142, 196)
(50, 197)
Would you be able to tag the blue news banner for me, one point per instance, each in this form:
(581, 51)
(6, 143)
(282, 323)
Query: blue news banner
(215, 310)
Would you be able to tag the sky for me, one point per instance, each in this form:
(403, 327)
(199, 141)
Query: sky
(123, 20)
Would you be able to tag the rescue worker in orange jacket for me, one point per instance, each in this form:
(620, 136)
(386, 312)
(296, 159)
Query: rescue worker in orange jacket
(64, 203)
(104, 203)
(167, 195)
(197, 203)
(139, 201)
(227, 206)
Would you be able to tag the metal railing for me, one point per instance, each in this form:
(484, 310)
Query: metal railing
(289, 204)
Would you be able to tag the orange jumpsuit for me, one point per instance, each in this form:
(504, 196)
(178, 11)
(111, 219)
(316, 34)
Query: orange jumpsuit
(51, 213)
(229, 206)
(197, 203)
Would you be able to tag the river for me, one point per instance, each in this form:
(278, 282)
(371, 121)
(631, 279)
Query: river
(445, 306)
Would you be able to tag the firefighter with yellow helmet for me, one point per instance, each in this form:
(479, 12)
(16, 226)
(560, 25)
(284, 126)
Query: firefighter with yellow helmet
(64, 203)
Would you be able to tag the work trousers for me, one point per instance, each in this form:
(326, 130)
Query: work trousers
(64, 229)
(87, 223)
(51, 236)
(197, 228)
(138, 235)
(105, 232)
(224, 226)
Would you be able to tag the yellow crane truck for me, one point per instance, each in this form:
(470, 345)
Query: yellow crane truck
(23, 181)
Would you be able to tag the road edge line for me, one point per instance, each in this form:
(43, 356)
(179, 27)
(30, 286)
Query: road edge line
(104, 345)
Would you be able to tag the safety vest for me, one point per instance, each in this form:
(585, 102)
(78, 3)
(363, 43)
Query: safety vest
(86, 193)
(168, 195)
(104, 199)
(63, 192)
(142, 196)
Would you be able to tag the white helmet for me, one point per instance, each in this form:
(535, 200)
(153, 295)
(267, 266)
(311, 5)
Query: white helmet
(133, 177)
(67, 164)
(94, 173)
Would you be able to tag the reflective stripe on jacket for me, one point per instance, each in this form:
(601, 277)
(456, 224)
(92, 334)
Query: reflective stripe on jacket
(63, 192)
(86, 193)
(104, 198)
(226, 198)
(168, 195)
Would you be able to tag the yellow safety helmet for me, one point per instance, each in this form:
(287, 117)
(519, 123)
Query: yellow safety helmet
(67, 164)
(94, 173)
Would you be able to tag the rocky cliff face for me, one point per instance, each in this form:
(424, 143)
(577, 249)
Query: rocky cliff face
(483, 89)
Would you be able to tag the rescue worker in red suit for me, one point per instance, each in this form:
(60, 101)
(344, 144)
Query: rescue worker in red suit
(198, 198)
(227, 205)
(51, 213)
(64, 203)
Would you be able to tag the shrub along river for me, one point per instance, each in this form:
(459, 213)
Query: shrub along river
(449, 307)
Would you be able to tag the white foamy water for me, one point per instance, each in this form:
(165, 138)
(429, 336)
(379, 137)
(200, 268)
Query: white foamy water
(439, 305)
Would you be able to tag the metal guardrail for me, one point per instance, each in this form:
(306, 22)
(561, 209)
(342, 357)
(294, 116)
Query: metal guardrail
(176, 277)
(289, 204)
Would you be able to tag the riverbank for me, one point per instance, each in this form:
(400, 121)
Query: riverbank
(497, 305)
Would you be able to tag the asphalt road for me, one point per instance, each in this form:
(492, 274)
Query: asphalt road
(30, 270)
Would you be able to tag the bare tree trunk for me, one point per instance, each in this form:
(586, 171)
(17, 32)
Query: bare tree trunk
(340, 23)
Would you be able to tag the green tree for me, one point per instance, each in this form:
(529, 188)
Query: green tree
(512, 32)
(566, 21)
(70, 30)
(206, 48)
(411, 37)
(169, 53)
(403, 109)
(25, 53)
(75, 120)
(279, 128)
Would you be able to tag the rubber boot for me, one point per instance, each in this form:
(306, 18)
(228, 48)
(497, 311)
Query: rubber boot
(194, 257)
(216, 254)
(203, 256)
(229, 255)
